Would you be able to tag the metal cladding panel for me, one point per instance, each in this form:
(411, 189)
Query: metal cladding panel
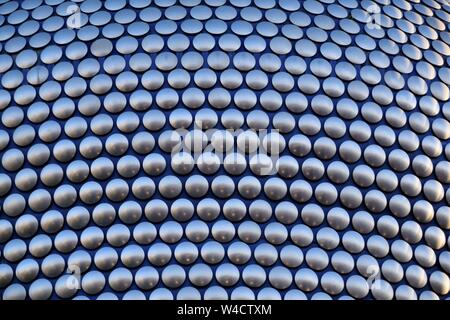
(224, 149)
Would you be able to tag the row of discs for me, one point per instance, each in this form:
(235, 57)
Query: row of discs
(222, 230)
(224, 187)
(218, 74)
(227, 276)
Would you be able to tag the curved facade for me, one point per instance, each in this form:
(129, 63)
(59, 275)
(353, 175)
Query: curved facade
(224, 149)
